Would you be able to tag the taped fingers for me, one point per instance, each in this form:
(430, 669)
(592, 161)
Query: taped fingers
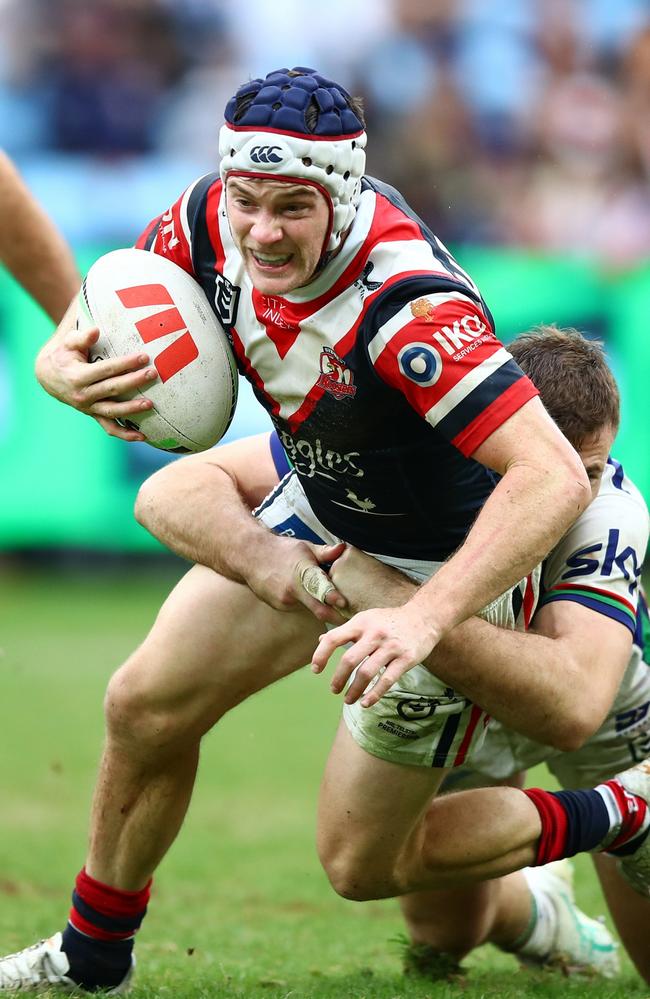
(316, 582)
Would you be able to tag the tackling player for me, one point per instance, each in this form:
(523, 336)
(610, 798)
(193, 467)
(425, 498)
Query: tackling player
(574, 691)
(587, 667)
(376, 358)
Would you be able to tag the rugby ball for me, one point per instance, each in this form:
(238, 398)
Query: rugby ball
(141, 301)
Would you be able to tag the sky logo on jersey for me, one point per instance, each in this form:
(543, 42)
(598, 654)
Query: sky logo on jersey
(335, 376)
(421, 363)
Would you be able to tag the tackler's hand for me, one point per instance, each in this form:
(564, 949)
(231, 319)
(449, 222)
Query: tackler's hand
(386, 643)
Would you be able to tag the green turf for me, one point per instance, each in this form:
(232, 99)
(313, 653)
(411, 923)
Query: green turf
(241, 907)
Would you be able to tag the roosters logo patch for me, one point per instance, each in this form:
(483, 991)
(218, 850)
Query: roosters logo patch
(335, 377)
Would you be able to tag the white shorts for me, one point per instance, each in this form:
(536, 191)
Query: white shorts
(622, 740)
(420, 721)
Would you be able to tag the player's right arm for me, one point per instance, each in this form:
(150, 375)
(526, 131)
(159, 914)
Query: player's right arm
(63, 365)
(64, 370)
(200, 507)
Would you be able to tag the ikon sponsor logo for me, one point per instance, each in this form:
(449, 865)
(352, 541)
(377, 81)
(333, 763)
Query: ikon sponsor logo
(451, 338)
(266, 154)
(335, 377)
(182, 351)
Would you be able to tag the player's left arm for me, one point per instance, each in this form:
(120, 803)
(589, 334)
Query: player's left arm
(200, 507)
(542, 490)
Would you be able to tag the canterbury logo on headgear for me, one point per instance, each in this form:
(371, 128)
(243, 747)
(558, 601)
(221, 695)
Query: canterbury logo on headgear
(265, 154)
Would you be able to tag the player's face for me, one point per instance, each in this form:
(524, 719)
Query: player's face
(279, 229)
(594, 452)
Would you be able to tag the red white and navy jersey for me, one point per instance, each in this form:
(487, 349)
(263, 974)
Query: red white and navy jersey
(382, 376)
(598, 562)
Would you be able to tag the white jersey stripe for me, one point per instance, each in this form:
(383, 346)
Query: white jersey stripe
(460, 391)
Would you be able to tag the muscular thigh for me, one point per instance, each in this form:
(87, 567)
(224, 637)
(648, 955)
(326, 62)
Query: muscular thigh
(212, 645)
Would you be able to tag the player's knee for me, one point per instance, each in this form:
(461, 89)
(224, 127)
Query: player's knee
(137, 715)
(352, 882)
(353, 873)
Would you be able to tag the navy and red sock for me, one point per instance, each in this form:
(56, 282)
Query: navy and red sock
(604, 818)
(98, 939)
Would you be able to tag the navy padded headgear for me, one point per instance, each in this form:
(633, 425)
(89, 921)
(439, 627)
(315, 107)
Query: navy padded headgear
(270, 136)
(280, 101)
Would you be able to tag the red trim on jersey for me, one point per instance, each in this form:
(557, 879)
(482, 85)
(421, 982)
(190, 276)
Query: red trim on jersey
(594, 589)
(294, 135)
(475, 717)
(389, 225)
(530, 601)
(250, 371)
(140, 243)
(494, 416)
(283, 330)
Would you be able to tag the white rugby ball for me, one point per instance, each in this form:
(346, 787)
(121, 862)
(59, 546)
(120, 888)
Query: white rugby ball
(142, 302)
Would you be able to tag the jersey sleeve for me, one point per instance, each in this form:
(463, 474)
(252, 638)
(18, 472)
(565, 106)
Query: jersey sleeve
(598, 562)
(440, 351)
(175, 234)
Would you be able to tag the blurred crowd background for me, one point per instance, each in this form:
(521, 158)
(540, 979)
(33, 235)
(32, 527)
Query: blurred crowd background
(519, 130)
(522, 123)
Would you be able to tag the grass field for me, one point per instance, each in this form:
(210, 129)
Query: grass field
(241, 907)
